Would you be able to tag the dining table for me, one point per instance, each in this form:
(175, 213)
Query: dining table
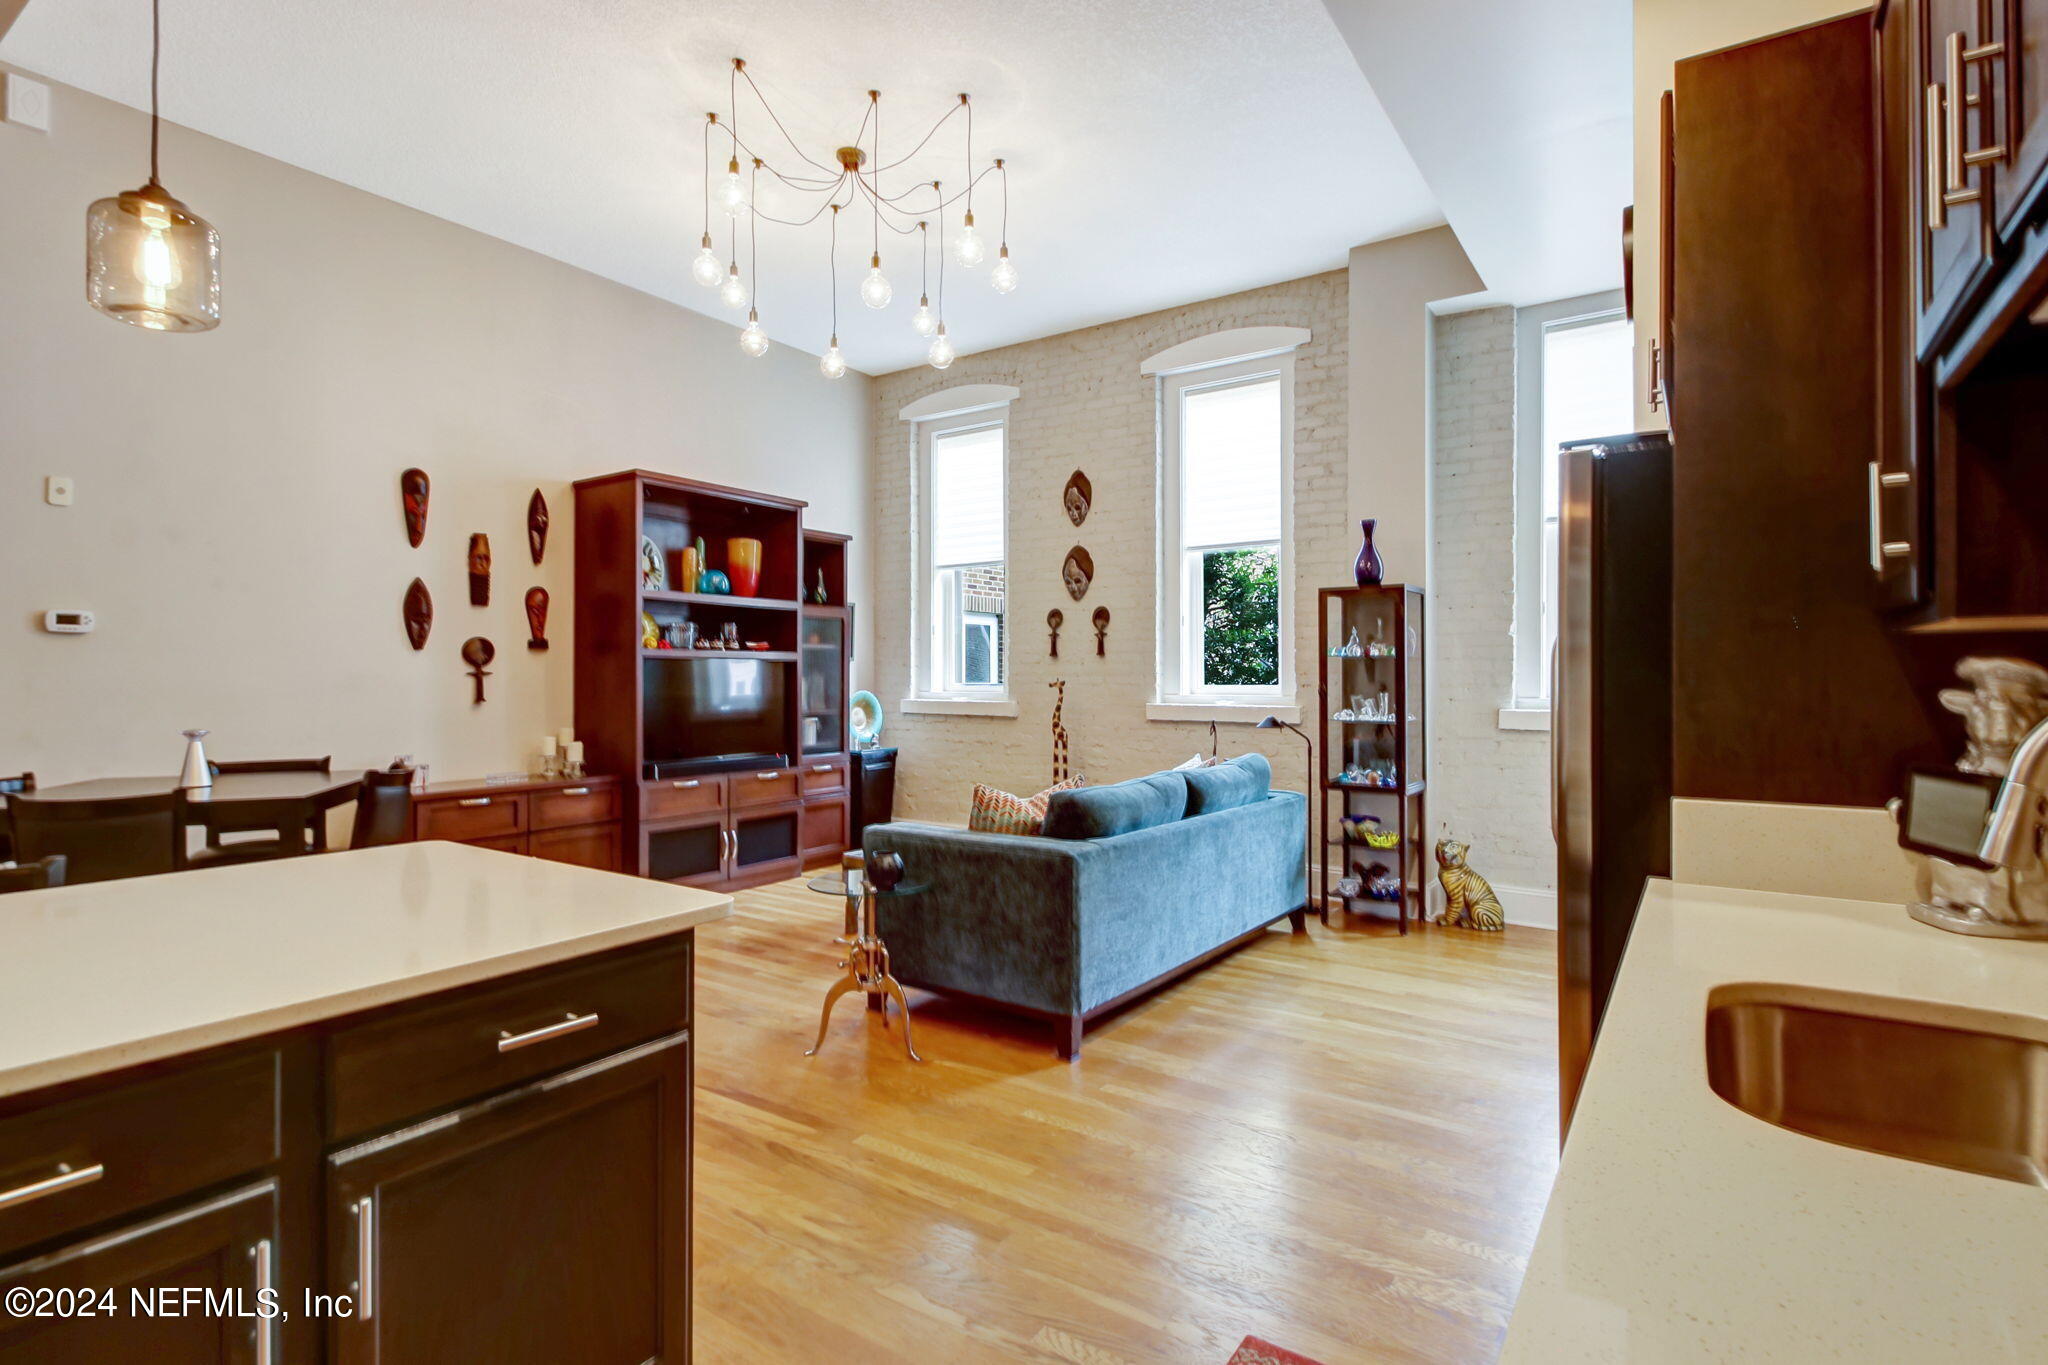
(288, 802)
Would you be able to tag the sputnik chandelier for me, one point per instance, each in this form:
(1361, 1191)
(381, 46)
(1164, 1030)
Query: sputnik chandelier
(856, 182)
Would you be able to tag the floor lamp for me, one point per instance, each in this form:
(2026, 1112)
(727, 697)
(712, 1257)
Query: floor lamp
(1308, 838)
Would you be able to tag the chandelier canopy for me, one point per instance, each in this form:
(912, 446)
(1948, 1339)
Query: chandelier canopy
(852, 179)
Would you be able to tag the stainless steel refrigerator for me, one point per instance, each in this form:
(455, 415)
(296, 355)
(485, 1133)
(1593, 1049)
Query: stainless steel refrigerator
(1610, 720)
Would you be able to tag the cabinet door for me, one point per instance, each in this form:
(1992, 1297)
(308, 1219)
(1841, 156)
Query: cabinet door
(824, 829)
(1961, 101)
(549, 1224)
(767, 844)
(2021, 190)
(694, 852)
(1898, 550)
(226, 1247)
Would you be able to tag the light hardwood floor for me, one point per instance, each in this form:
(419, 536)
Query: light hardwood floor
(1340, 1142)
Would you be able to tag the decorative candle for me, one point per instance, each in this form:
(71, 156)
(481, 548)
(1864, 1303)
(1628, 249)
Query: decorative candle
(547, 746)
(565, 734)
(575, 751)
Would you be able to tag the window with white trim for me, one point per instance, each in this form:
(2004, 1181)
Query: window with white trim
(1226, 573)
(963, 577)
(1575, 379)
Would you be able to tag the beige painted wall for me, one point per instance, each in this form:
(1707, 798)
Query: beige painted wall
(1668, 31)
(1392, 285)
(1084, 405)
(237, 523)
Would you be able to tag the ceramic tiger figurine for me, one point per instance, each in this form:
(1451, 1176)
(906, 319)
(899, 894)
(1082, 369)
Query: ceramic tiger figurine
(1468, 899)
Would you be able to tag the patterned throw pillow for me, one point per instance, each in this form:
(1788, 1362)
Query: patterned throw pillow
(998, 812)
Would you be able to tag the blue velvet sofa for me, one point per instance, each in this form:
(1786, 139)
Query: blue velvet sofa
(1130, 886)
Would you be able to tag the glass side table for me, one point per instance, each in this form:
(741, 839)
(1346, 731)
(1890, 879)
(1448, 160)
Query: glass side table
(867, 957)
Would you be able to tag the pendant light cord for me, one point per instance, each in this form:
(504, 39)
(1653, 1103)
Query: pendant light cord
(942, 262)
(835, 274)
(753, 236)
(156, 57)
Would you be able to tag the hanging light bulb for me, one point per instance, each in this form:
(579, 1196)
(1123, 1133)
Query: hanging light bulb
(1004, 277)
(150, 261)
(704, 267)
(941, 353)
(833, 363)
(753, 340)
(967, 247)
(875, 289)
(733, 293)
(924, 321)
(730, 193)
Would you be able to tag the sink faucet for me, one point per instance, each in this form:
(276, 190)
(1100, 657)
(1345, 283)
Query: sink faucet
(2012, 834)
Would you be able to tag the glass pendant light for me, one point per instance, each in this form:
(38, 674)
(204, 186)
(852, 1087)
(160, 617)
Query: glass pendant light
(733, 293)
(753, 340)
(731, 194)
(941, 353)
(704, 267)
(1004, 277)
(967, 247)
(833, 363)
(924, 321)
(875, 289)
(150, 261)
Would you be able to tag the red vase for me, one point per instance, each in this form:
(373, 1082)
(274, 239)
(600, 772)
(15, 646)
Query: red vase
(1368, 567)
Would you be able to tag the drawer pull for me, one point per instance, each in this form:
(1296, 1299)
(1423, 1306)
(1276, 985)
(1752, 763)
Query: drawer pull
(821, 767)
(366, 1255)
(474, 801)
(766, 777)
(575, 791)
(686, 786)
(65, 1179)
(575, 1023)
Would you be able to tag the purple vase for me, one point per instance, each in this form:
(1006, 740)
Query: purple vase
(1368, 566)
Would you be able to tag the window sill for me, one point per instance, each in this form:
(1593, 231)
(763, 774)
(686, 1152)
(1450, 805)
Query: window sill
(1525, 718)
(1228, 713)
(958, 706)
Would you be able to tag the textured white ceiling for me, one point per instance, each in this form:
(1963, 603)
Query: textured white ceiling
(1160, 151)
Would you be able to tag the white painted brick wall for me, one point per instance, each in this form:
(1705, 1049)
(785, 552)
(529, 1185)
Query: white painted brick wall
(1085, 406)
(1490, 787)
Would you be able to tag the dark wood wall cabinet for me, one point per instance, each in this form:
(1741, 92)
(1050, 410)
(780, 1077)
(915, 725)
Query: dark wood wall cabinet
(499, 1172)
(1856, 378)
(569, 821)
(734, 759)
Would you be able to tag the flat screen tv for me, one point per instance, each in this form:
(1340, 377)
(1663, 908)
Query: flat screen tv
(714, 708)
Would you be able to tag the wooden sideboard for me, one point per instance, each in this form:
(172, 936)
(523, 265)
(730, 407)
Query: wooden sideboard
(570, 821)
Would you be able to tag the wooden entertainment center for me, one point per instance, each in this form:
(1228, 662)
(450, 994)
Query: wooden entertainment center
(732, 763)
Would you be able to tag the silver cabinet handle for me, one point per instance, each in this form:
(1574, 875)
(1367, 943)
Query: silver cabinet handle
(1880, 548)
(65, 1179)
(575, 791)
(474, 801)
(693, 782)
(766, 777)
(366, 1256)
(1937, 197)
(732, 844)
(821, 768)
(265, 1330)
(575, 1023)
(1656, 375)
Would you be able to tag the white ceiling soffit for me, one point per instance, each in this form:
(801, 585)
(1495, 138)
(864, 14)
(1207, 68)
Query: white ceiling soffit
(1518, 113)
(1159, 152)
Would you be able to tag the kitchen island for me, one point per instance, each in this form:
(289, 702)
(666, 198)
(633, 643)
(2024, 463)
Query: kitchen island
(1682, 1228)
(417, 1103)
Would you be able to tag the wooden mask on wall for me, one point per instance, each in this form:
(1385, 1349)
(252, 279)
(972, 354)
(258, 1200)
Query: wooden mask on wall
(413, 489)
(479, 570)
(419, 614)
(1078, 497)
(537, 618)
(1078, 572)
(537, 525)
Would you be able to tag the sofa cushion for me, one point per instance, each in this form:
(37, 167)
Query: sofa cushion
(1237, 782)
(1104, 812)
(997, 812)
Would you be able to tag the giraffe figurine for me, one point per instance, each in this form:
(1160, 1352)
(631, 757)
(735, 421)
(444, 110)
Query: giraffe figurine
(1060, 761)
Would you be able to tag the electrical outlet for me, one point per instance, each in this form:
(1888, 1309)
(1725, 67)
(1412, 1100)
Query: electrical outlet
(57, 490)
(28, 102)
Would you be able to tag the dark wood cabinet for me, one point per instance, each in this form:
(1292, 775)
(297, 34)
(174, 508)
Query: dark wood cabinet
(545, 1225)
(120, 1295)
(1960, 103)
(2018, 193)
(570, 820)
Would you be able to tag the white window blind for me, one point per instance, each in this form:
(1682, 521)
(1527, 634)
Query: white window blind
(1230, 464)
(967, 497)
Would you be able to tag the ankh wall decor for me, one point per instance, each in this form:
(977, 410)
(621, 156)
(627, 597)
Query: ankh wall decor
(1054, 619)
(1101, 619)
(478, 652)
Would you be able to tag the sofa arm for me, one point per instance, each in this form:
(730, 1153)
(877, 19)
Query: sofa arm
(1000, 920)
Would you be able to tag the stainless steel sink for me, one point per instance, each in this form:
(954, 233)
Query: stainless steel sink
(1948, 1086)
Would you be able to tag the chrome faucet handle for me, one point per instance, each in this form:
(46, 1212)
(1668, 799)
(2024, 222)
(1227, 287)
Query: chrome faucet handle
(2012, 832)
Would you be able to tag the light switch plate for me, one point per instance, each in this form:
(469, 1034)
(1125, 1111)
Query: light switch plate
(57, 490)
(28, 102)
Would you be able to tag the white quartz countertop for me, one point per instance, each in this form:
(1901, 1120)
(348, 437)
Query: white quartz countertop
(110, 974)
(1683, 1229)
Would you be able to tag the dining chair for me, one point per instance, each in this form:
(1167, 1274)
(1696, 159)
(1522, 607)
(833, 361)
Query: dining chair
(383, 809)
(20, 782)
(35, 876)
(123, 836)
(218, 823)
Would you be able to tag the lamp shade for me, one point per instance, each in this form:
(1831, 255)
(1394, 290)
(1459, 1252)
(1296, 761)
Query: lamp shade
(151, 262)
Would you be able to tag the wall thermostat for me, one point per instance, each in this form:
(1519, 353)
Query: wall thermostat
(67, 622)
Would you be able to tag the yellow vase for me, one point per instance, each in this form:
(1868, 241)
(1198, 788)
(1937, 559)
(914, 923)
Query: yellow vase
(686, 571)
(743, 565)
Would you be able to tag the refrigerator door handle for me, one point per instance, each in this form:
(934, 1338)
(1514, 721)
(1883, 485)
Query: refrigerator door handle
(1556, 746)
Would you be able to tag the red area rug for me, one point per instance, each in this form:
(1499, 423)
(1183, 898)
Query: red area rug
(1254, 1351)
